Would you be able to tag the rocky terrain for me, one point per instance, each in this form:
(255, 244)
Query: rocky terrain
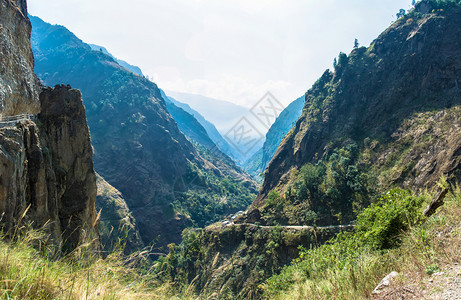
(19, 86)
(118, 228)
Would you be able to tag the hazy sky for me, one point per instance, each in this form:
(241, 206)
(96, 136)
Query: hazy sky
(234, 50)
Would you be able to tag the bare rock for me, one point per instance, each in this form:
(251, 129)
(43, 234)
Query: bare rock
(68, 140)
(385, 282)
(19, 87)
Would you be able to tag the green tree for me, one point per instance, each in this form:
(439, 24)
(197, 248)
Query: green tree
(356, 44)
(401, 13)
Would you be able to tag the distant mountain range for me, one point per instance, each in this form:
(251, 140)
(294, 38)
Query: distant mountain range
(230, 119)
(187, 123)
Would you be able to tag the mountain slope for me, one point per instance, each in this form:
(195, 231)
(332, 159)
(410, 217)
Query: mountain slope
(282, 125)
(139, 149)
(387, 116)
(221, 113)
(117, 225)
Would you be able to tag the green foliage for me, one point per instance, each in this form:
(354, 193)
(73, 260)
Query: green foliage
(380, 224)
(401, 13)
(356, 43)
(379, 227)
(273, 199)
(343, 60)
(431, 269)
(443, 4)
(332, 190)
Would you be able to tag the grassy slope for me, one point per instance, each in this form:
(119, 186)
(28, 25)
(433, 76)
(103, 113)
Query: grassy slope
(342, 271)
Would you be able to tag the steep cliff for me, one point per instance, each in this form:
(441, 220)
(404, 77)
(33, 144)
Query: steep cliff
(46, 173)
(393, 108)
(65, 134)
(258, 163)
(388, 116)
(48, 168)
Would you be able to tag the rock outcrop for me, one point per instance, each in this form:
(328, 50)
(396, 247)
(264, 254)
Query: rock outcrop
(66, 136)
(46, 164)
(48, 170)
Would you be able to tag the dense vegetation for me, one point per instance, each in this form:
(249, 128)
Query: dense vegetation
(231, 261)
(331, 191)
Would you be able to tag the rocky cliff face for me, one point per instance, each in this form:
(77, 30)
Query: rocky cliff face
(397, 100)
(63, 122)
(18, 83)
(46, 169)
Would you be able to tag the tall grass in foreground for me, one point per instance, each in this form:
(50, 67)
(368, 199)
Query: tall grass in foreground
(28, 273)
(390, 236)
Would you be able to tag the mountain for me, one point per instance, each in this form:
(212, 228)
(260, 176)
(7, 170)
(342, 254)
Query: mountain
(211, 130)
(221, 113)
(382, 114)
(282, 125)
(47, 179)
(167, 182)
(189, 125)
(227, 117)
(184, 115)
(387, 118)
(122, 63)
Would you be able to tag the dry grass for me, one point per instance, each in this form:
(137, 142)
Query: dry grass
(27, 273)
